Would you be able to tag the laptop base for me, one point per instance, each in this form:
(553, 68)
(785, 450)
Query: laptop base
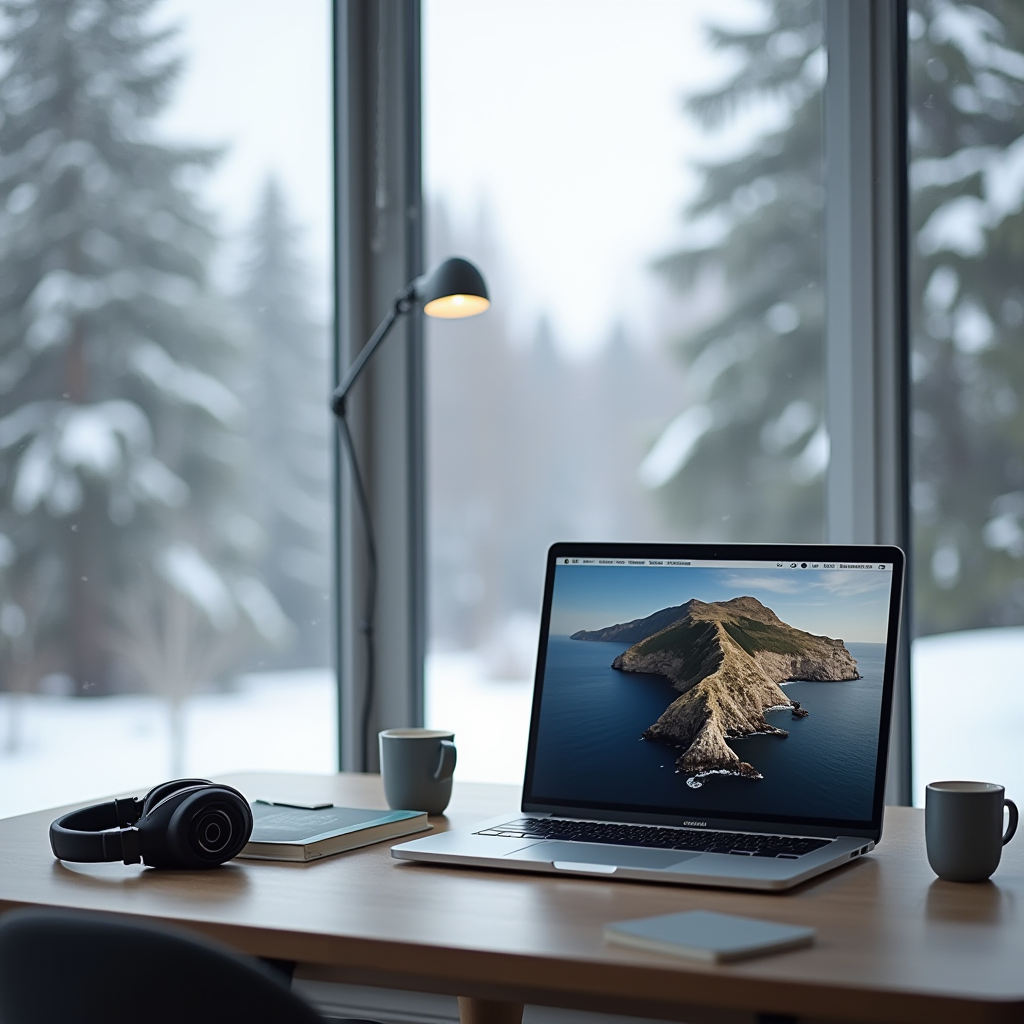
(465, 848)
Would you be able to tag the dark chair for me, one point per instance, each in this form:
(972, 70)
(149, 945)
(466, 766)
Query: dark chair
(75, 968)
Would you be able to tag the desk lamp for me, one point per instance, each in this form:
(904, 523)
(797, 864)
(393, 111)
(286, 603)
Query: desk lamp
(452, 290)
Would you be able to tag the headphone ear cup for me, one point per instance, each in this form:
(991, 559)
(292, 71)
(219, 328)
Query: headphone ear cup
(165, 789)
(209, 827)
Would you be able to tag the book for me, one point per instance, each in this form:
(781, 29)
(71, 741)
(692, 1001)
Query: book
(303, 832)
(706, 935)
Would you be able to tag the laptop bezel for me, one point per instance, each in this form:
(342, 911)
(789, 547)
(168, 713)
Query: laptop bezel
(774, 824)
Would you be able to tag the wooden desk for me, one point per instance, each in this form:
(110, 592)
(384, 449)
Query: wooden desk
(895, 944)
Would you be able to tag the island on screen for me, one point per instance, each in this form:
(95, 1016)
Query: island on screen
(733, 690)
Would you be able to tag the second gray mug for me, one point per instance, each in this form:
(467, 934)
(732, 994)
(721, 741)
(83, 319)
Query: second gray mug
(417, 767)
(963, 823)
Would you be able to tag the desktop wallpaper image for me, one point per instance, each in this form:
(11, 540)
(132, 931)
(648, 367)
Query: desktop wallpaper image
(704, 689)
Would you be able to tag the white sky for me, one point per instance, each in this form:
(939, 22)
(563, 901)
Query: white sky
(258, 79)
(564, 118)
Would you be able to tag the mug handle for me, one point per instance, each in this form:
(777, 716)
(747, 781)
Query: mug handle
(1011, 825)
(446, 769)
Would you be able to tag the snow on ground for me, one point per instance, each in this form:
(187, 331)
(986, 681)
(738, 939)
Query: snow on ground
(968, 709)
(490, 717)
(74, 750)
(968, 720)
(71, 750)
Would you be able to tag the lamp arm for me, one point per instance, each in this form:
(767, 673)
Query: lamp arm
(404, 301)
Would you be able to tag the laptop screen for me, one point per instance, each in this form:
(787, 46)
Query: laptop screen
(731, 683)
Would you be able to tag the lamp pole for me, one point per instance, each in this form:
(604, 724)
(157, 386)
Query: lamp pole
(453, 290)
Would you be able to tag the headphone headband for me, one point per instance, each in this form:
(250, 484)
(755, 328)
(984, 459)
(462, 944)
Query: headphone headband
(85, 834)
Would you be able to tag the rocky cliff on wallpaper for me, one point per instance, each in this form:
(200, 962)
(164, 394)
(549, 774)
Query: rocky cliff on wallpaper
(727, 659)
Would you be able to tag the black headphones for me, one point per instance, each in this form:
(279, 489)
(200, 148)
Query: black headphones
(188, 823)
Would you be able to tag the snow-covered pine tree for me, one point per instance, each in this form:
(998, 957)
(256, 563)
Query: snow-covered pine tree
(967, 286)
(758, 424)
(746, 459)
(285, 389)
(118, 437)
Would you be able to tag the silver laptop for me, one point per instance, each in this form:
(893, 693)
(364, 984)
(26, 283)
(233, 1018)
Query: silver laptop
(702, 715)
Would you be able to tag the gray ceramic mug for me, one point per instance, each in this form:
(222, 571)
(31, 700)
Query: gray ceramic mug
(417, 767)
(963, 823)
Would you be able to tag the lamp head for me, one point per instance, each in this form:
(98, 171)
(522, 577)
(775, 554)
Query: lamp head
(452, 290)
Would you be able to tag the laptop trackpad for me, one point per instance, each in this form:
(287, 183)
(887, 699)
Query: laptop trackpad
(602, 853)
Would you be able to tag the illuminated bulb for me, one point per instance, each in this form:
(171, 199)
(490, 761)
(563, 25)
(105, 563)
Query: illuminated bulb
(454, 307)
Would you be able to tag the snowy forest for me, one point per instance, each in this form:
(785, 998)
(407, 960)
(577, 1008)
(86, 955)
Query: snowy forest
(164, 438)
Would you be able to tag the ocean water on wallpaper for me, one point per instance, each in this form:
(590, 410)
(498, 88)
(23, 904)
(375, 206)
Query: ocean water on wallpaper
(590, 749)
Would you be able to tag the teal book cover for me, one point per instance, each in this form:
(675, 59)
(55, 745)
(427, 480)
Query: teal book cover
(284, 832)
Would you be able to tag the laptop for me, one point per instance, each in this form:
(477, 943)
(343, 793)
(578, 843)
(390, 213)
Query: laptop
(702, 715)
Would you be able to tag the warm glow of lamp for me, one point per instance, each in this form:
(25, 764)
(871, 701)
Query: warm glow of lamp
(454, 307)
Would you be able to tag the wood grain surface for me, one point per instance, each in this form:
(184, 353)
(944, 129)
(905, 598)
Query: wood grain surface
(894, 943)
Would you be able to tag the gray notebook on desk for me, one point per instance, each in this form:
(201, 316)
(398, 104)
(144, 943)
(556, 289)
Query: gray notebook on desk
(702, 715)
(706, 935)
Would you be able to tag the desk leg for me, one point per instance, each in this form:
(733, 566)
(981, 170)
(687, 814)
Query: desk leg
(489, 1011)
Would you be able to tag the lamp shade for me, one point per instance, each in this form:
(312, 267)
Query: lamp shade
(454, 289)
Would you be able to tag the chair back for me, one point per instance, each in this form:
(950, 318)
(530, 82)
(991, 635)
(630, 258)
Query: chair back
(58, 967)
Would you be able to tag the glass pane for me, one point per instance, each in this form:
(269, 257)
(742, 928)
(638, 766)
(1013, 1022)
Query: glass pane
(967, 304)
(642, 186)
(164, 440)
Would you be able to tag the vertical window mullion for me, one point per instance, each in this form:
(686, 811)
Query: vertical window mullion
(379, 216)
(866, 330)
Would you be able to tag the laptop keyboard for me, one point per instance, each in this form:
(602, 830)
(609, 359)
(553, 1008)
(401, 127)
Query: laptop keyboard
(744, 844)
